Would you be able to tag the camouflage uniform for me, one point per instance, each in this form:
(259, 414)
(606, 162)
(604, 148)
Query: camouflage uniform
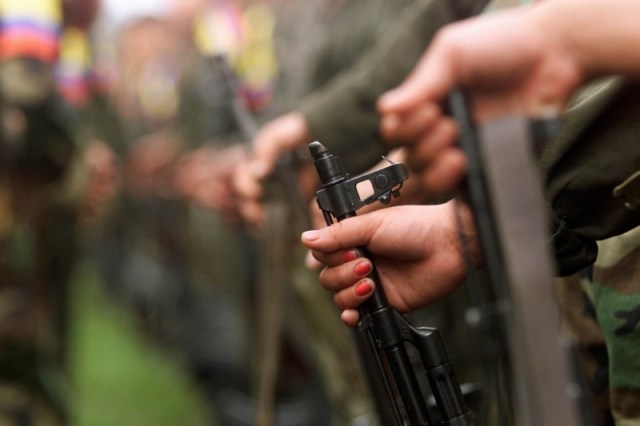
(616, 300)
(591, 171)
(600, 306)
(38, 208)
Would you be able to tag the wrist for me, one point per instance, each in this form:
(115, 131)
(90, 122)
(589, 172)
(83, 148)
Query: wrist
(566, 58)
(601, 38)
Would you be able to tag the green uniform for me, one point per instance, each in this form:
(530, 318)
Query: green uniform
(342, 115)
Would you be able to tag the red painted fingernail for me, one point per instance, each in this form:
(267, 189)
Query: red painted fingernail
(362, 269)
(363, 288)
(350, 255)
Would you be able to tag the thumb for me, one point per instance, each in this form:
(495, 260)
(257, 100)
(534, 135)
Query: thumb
(353, 232)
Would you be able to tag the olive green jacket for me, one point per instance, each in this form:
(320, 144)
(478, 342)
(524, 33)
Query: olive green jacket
(342, 114)
(591, 171)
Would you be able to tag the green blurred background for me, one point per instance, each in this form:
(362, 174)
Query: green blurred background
(118, 377)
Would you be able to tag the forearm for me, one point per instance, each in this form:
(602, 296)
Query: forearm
(601, 35)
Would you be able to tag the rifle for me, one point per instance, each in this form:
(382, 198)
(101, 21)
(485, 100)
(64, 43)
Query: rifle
(384, 329)
(522, 316)
(283, 206)
(285, 170)
(503, 189)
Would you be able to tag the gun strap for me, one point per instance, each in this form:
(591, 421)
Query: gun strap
(272, 270)
(539, 351)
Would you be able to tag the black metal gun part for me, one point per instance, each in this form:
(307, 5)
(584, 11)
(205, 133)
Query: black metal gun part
(385, 329)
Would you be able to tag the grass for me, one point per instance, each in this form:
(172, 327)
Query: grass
(118, 377)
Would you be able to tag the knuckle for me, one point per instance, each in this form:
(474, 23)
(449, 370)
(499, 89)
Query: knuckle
(339, 301)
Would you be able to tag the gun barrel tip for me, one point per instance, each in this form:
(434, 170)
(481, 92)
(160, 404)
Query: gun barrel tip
(316, 148)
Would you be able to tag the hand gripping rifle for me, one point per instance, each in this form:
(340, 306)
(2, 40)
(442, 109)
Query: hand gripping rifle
(384, 329)
(282, 207)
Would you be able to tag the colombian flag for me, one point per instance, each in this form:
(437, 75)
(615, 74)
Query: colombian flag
(73, 70)
(30, 28)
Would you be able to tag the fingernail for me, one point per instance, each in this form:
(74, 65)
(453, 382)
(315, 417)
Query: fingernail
(310, 235)
(350, 255)
(363, 288)
(345, 316)
(362, 269)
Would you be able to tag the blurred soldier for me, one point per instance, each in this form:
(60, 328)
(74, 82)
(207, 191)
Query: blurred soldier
(184, 270)
(40, 194)
(315, 43)
(244, 35)
(237, 37)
